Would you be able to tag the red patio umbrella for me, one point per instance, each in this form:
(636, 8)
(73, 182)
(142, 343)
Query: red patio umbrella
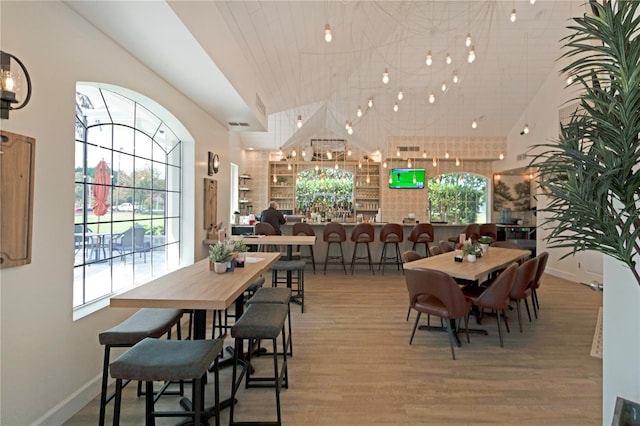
(101, 187)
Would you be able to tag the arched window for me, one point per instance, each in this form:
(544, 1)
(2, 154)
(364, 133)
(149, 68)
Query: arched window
(458, 198)
(127, 193)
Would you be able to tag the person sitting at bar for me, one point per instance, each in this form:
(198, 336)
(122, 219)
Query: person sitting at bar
(273, 217)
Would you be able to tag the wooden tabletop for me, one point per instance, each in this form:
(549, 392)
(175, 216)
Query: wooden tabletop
(493, 260)
(302, 240)
(195, 287)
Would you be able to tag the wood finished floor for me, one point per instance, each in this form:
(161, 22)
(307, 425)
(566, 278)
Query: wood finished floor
(353, 364)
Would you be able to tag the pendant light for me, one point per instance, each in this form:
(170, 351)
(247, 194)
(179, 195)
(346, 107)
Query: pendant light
(395, 107)
(474, 124)
(429, 59)
(359, 112)
(472, 54)
(513, 16)
(456, 78)
(432, 98)
(400, 94)
(327, 33)
(370, 103)
(448, 59)
(467, 40)
(299, 122)
(385, 76)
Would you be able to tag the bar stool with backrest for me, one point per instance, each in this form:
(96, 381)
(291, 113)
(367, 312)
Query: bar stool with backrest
(303, 228)
(522, 286)
(472, 231)
(264, 228)
(422, 233)
(391, 233)
(363, 233)
(334, 233)
(146, 322)
(489, 229)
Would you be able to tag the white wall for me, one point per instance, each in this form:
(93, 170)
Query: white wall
(50, 366)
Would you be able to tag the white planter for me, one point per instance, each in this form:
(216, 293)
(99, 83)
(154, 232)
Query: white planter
(484, 247)
(471, 258)
(220, 268)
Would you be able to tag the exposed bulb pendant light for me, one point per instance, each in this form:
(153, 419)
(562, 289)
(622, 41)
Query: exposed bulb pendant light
(294, 153)
(317, 167)
(370, 103)
(429, 59)
(444, 86)
(456, 78)
(409, 163)
(349, 152)
(400, 95)
(432, 98)
(448, 59)
(275, 179)
(474, 124)
(501, 156)
(336, 165)
(350, 130)
(327, 33)
(384, 164)
(397, 152)
(359, 164)
(329, 155)
(424, 154)
(467, 40)
(435, 162)
(346, 125)
(472, 54)
(525, 130)
(532, 2)
(359, 112)
(288, 166)
(385, 76)
(513, 16)
(368, 178)
(299, 122)
(280, 151)
(457, 162)
(446, 155)
(395, 107)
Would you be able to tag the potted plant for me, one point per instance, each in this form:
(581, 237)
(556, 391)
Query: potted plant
(240, 249)
(484, 242)
(219, 255)
(471, 250)
(591, 174)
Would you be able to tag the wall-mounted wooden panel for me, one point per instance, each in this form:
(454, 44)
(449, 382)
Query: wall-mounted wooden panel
(210, 203)
(17, 163)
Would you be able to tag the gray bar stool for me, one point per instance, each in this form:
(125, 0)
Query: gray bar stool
(153, 360)
(260, 321)
(295, 283)
(277, 295)
(147, 322)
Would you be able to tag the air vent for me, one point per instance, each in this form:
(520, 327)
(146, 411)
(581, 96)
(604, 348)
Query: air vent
(408, 148)
(237, 124)
(521, 157)
(260, 106)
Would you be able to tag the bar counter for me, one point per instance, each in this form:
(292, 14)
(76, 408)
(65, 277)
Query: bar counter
(442, 231)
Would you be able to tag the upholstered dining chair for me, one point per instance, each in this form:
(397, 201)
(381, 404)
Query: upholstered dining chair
(422, 233)
(445, 246)
(522, 285)
(489, 229)
(472, 231)
(494, 297)
(505, 244)
(264, 228)
(542, 265)
(410, 256)
(434, 251)
(436, 293)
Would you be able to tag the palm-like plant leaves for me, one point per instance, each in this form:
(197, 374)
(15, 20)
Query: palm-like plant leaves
(592, 172)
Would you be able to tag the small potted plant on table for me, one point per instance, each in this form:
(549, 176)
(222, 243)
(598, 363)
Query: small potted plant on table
(471, 250)
(219, 255)
(240, 250)
(484, 242)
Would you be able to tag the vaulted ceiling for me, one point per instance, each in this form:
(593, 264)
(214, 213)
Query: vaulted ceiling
(264, 63)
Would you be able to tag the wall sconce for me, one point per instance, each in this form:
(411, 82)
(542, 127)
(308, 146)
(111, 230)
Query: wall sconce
(10, 84)
(214, 163)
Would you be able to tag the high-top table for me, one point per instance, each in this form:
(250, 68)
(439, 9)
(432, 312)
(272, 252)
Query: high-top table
(195, 287)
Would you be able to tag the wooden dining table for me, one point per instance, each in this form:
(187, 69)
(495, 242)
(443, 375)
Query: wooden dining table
(495, 259)
(284, 240)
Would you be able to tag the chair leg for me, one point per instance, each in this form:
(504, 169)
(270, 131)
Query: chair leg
(450, 333)
(342, 259)
(116, 405)
(519, 314)
(369, 259)
(103, 394)
(399, 258)
(499, 328)
(313, 260)
(353, 257)
(526, 305)
(506, 320)
(415, 326)
(533, 303)
(408, 312)
(148, 399)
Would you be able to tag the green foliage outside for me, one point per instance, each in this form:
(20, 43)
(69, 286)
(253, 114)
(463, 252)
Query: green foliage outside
(455, 200)
(324, 188)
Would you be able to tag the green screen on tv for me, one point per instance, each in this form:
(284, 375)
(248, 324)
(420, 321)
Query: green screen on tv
(406, 178)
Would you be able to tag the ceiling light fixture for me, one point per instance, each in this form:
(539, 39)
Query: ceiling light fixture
(448, 59)
(429, 59)
(467, 40)
(501, 156)
(432, 98)
(327, 33)
(350, 130)
(409, 163)
(349, 152)
(400, 95)
(395, 107)
(444, 86)
(359, 112)
(525, 130)
(370, 103)
(532, 2)
(384, 164)
(472, 54)
(457, 161)
(455, 77)
(385, 76)
(435, 162)
(424, 154)
(513, 16)
(397, 152)
(299, 123)
(474, 124)
(294, 153)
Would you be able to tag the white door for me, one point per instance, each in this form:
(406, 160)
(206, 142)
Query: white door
(590, 267)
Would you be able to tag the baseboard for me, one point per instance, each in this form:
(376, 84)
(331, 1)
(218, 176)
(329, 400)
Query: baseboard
(68, 407)
(561, 274)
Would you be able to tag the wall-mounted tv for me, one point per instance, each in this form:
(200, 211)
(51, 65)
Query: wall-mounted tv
(406, 178)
